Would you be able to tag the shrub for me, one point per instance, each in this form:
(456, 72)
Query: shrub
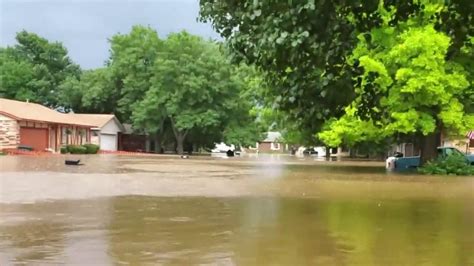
(63, 150)
(91, 148)
(76, 149)
(450, 165)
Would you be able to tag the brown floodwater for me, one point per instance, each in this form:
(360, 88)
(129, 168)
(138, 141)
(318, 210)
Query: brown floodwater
(265, 210)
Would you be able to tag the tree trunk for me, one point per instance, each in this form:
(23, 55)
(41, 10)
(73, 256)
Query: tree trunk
(158, 145)
(180, 136)
(160, 134)
(179, 144)
(328, 153)
(352, 153)
(429, 145)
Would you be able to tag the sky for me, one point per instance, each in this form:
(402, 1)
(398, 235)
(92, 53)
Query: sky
(84, 26)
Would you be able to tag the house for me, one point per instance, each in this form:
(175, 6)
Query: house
(106, 130)
(39, 127)
(465, 144)
(271, 143)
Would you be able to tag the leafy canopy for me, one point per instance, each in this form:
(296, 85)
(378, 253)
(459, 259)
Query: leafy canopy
(34, 69)
(406, 84)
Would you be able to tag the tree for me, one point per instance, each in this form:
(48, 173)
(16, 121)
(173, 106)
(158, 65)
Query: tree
(407, 85)
(299, 45)
(34, 69)
(132, 59)
(191, 87)
(93, 92)
(304, 46)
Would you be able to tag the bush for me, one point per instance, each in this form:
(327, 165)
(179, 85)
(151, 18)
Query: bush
(91, 148)
(450, 165)
(76, 149)
(63, 150)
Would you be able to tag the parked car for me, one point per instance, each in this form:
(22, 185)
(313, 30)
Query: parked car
(399, 163)
(310, 151)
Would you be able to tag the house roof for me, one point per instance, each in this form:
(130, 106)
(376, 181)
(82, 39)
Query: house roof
(36, 112)
(97, 120)
(272, 136)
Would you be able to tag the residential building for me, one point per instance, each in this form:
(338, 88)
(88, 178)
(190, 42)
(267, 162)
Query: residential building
(106, 130)
(39, 127)
(271, 144)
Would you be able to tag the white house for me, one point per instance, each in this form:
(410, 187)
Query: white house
(105, 131)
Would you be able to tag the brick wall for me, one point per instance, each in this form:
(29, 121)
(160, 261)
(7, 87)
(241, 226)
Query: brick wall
(267, 147)
(9, 133)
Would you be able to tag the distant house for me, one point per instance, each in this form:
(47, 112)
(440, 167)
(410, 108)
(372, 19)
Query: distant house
(105, 132)
(271, 143)
(39, 127)
(465, 144)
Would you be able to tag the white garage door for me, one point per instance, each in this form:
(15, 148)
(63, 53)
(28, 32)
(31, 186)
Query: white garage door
(108, 142)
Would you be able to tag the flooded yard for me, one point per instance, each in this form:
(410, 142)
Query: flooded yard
(266, 210)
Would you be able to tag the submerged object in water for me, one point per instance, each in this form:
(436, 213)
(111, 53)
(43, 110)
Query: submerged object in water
(72, 162)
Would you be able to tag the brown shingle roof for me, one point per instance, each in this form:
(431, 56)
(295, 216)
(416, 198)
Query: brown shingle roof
(97, 120)
(36, 112)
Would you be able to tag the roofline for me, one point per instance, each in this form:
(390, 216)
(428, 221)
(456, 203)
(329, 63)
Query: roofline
(42, 121)
(114, 117)
(122, 128)
(9, 115)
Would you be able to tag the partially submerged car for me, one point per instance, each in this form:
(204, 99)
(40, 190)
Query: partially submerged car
(397, 162)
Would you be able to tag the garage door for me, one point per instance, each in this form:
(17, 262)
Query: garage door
(108, 142)
(34, 137)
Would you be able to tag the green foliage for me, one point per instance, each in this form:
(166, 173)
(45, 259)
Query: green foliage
(193, 86)
(91, 148)
(349, 130)
(63, 150)
(76, 149)
(303, 47)
(93, 92)
(34, 69)
(450, 165)
(405, 84)
(132, 65)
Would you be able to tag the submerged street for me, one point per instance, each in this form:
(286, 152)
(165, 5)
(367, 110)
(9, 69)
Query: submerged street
(272, 210)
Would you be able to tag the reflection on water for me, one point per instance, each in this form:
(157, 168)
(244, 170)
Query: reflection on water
(239, 231)
(265, 211)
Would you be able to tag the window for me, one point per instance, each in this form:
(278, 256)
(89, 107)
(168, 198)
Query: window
(275, 146)
(452, 151)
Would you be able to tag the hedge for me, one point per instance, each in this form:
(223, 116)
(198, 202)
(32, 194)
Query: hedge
(91, 148)
(76, 149)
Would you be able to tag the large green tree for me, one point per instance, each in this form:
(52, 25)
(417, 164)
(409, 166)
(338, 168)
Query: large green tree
(93, 92)
(304, 46)
(34, 68)
(407, 84)
(191, 87)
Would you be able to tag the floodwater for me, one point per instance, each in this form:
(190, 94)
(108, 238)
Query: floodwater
(266, 210)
